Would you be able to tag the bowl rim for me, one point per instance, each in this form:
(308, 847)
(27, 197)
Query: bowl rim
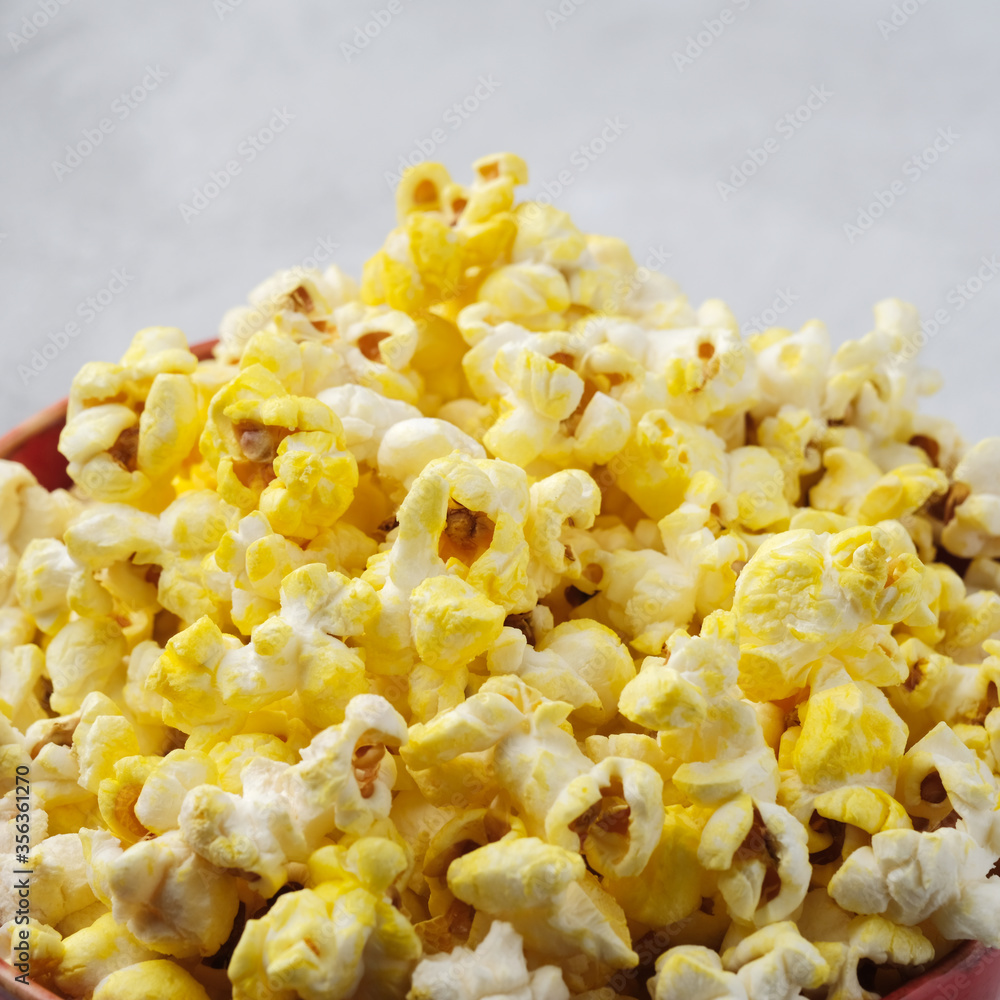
(23, 433)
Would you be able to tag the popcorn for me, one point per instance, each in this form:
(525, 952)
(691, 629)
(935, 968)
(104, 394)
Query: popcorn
(761, 854)
(41, 943)
(252, 560)
(129, 450)
(157, 979)
(547, 896)
(283, 811)
(409, 445)
(366, 416)
(296, 302)
(185, 676)
(693, 972)
(803, 596)
(283, 452)
(459, 534)
(21, 670)
(611, 811)
(579, 662)
(297, 649)
(777, 961)
(84, 656)
(342, 938)
(974, 522)
(911, 877)
(673, 883)
(485, 627)
(939, 773)
(169, 898)
(59, 885)
(94, 953)
(495, 970)
(856, 949)
(850, 735)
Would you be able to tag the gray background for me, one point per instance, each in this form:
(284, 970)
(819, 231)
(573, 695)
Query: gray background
(229, 64)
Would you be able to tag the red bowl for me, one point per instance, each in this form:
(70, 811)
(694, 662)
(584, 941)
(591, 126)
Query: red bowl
(971, 972)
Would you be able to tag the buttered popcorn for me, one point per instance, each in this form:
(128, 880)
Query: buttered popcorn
(501, 625)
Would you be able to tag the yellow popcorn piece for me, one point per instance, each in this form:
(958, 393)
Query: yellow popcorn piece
(941, 876)
(868, 809)
(939, 773)
(118, 793)
(496, 968)
(340, 939)
(250, 561)
(803, 596)
(673, 883)
(101, 736)
(408, 446)
(580, 662)
(59, 886)
(156, 980)
(51, 584)
(378, 344)
(283, 452)
(29, 512)
(283, 811)
(298, 649)
(569, 498)
(366, 417)
(84, 656)
(423, 188)
(757, 484)
(451, 622)
(94, 952)
(170, 899)
(145, 706)
(693, 972)
(591, 810)
(42, 943)
(420, 262)
(850, 735)
(760, 852)
(546, 235)
(661, 458)
(231, 756)
(21, 671)
(473, 726)
(975, 523)
(540, 394)
(163, 792)
(530, 294)
(792, 367)
(694, 703)
(303, 366)
(185, 676)
(709, 375)
(128, 451)
(777, 960)
(546, 895)
(463, 517)
(295, 303)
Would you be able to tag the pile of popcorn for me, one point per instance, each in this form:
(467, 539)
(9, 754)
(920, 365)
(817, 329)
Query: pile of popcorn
(503, 627)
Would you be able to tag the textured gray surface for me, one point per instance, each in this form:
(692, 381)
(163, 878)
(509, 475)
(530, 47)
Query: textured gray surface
(221, 70)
